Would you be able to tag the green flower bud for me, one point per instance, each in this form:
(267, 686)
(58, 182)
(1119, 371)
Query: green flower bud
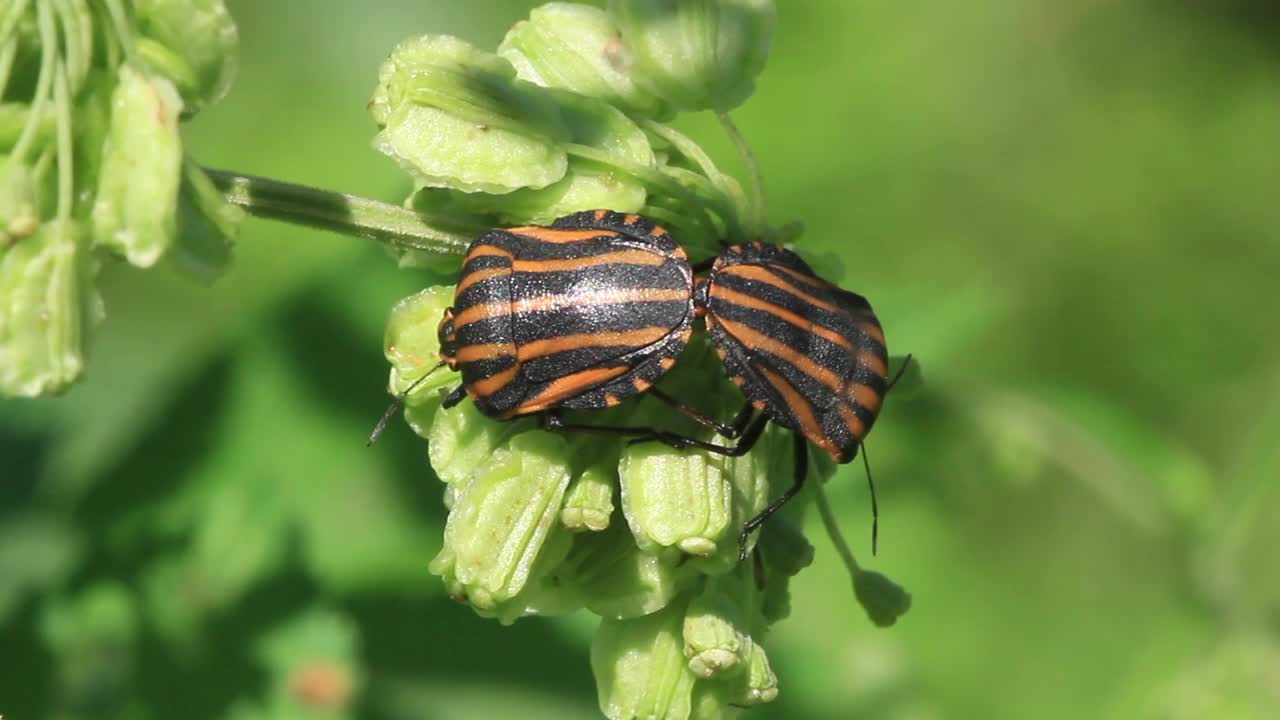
(883, 599)
(18, 216)
(640, 668)
(758, 684)
(615, 580)
(696, 54)
(588, 504)
(717, 627)
(193, 43)
(576, 47)
(135, 213)
(588, 183)
(412, 345)
(462, 438)
(456, 117)
(675, 498)
(47, 306)
(502, 515)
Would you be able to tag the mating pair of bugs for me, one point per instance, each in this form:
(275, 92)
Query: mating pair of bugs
(597, 307)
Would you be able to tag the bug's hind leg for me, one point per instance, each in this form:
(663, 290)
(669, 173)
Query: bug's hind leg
(732, 431)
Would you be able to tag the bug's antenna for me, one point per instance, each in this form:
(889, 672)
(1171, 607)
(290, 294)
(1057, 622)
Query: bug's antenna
(906, 363)
(396, 404)
(875, 509)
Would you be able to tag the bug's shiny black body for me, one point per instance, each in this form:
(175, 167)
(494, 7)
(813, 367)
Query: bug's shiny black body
(578, 315)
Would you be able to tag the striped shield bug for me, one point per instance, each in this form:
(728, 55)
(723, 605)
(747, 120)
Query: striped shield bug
(808, 355)
(578, 315)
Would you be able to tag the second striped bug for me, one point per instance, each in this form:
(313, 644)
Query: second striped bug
(808, 355)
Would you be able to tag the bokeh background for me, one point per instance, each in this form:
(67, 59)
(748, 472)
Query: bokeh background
(1069, 212)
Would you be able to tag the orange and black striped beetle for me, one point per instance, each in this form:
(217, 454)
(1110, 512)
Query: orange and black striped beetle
(808, 355)
(578, 315)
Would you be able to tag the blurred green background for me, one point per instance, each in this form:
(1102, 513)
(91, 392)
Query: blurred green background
(1069, 212)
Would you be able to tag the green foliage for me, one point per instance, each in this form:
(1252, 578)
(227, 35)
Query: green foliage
(1072, 230)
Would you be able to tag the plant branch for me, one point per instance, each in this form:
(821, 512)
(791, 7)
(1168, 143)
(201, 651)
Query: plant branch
(392, 225)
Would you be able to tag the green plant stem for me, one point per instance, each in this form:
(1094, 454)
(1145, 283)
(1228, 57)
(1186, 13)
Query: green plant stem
(392, 225)
(833, 530)
(758, 215)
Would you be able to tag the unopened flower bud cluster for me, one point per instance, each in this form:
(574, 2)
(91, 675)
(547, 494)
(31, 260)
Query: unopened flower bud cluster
(92, 168)
(569, 114)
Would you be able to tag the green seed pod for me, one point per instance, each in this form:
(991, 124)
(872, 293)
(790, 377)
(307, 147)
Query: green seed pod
(615, 580)
(193, 43)
(502, 515)
(47, 307)
(696, 54)
(135, 212)
(456, 117)
(640, 668)
(576, 47)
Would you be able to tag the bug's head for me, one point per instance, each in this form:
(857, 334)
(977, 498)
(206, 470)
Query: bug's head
(448, 340)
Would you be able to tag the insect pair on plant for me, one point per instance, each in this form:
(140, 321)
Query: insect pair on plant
(596, 307)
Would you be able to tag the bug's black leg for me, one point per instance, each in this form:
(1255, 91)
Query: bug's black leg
(395, 406)
(551, 420)
(454, 397)
(704, 266)
(748, 440)
(802, 469)
(732, 431)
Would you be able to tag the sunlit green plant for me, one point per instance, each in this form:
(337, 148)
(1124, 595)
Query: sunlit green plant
(570, 113)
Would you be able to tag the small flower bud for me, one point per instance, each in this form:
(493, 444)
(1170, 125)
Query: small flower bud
(135, 213)
(462, 438)
(588, 504)
(576, 47)
(640, 668)
(502, 515)
(47, 307)
(411, 344)
(193, 43)
(456, 117)
(675, 498)
(696, 54)
(18, 216)
(616, 580)
(587, 183)
(759, 684)
(717, 627)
